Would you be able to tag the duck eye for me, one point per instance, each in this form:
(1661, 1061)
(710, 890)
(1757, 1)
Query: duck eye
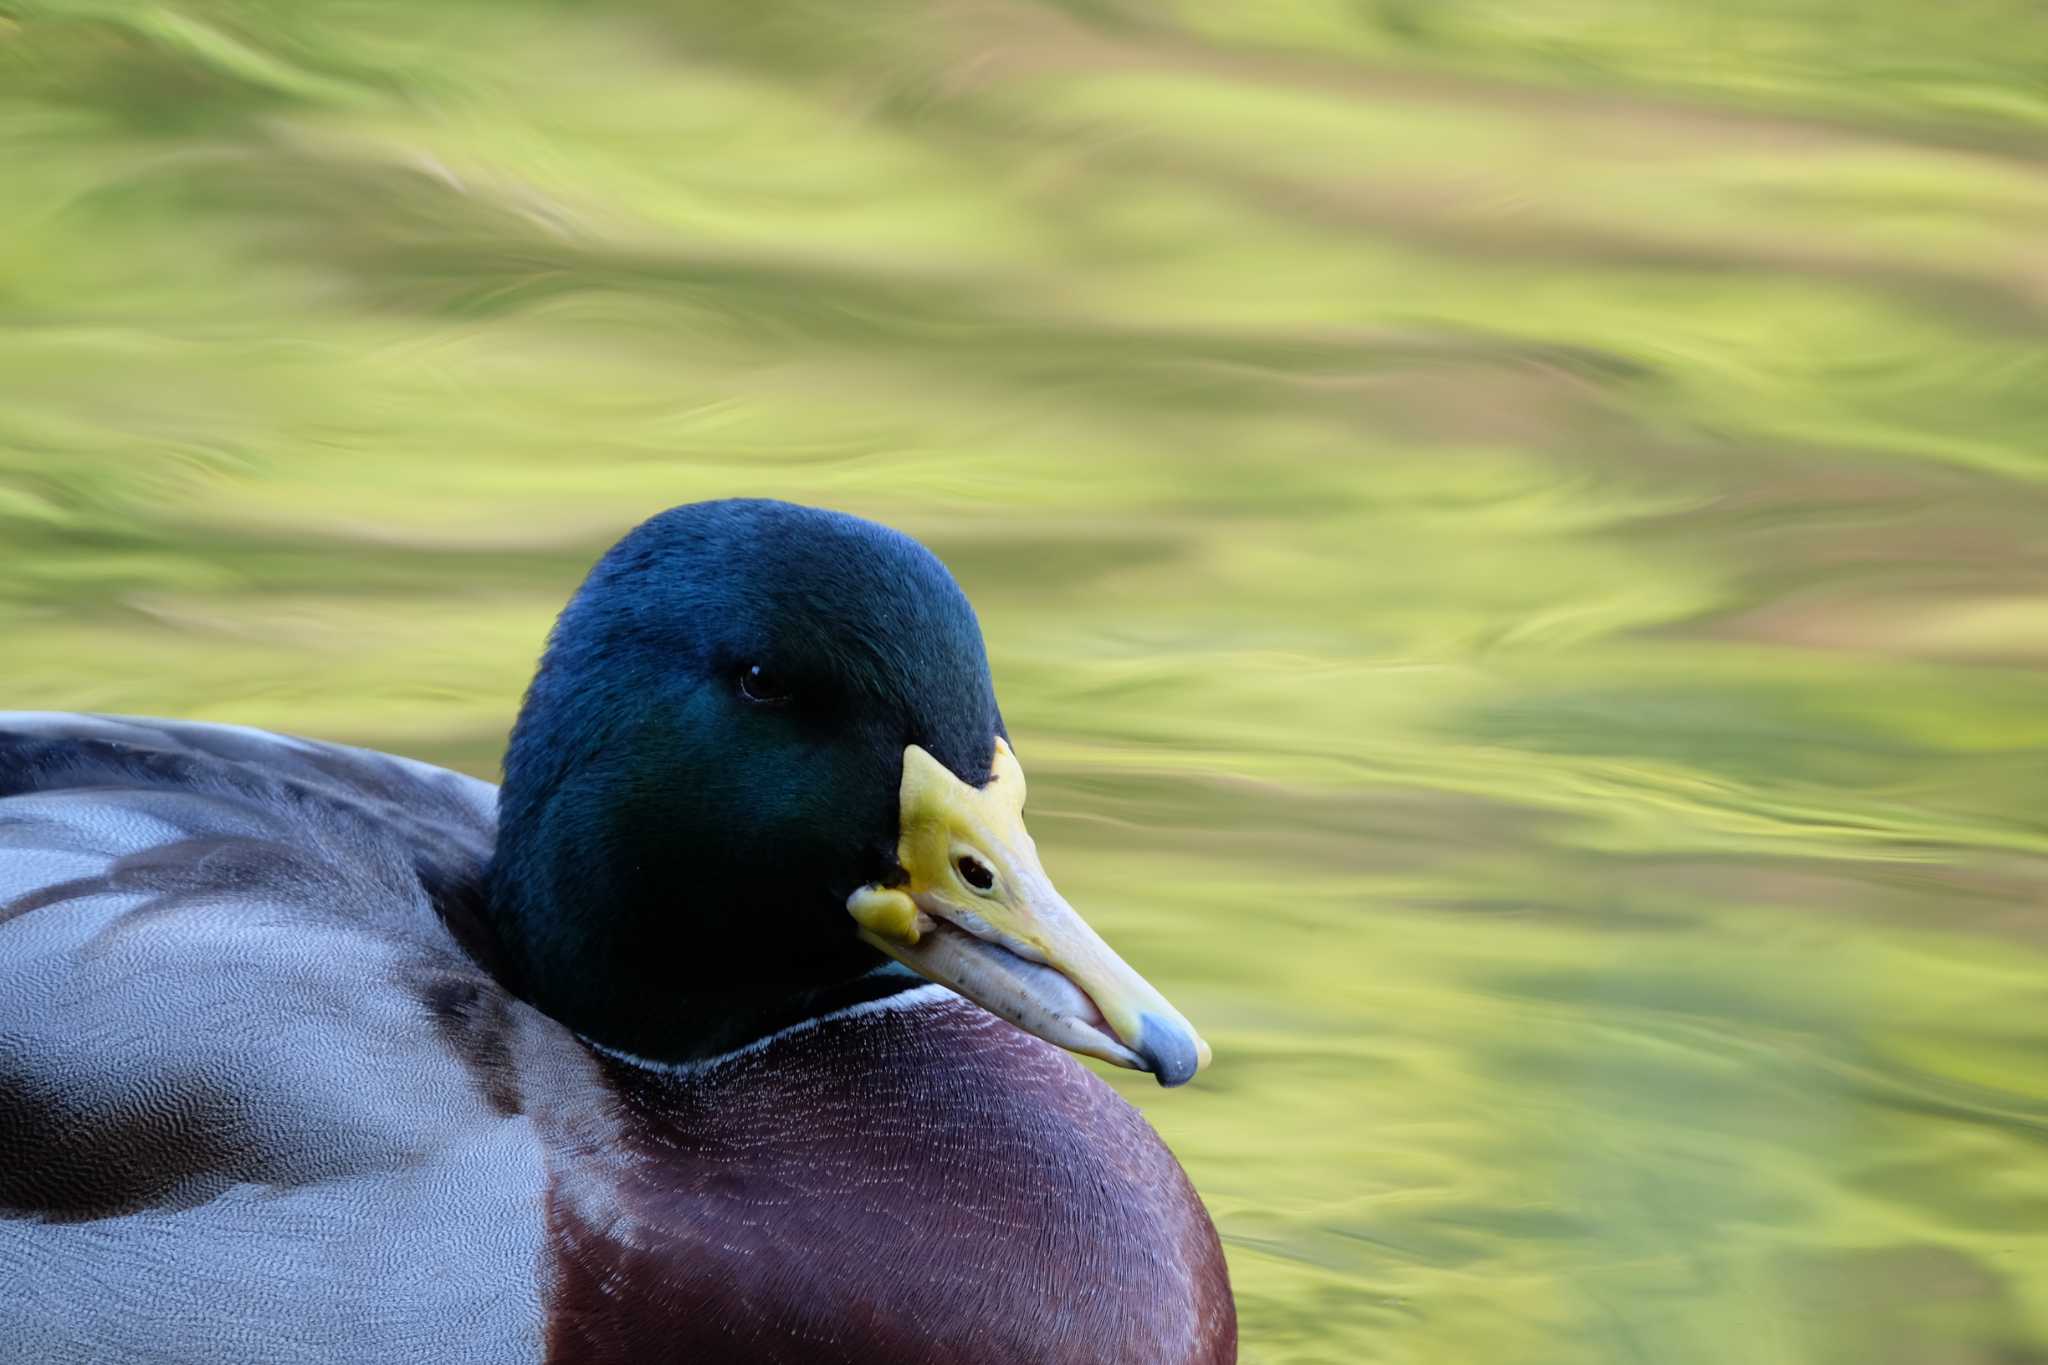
(760, 685)
(975, 872)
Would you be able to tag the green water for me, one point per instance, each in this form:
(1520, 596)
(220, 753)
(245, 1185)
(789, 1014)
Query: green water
(1513, 538)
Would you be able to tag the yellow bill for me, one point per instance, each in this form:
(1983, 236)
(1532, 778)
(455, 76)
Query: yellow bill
(979, 915)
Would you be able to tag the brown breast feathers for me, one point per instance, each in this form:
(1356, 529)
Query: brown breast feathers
(901, 1186)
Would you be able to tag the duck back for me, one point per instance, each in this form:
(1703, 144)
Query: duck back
(239, 1116)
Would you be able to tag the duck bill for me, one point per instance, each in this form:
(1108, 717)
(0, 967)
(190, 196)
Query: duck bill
(978, 914)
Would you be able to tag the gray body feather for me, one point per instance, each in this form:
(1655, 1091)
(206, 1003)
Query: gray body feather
(251, 1088)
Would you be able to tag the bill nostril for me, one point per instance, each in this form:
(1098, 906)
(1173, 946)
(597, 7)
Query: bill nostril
(975, 872)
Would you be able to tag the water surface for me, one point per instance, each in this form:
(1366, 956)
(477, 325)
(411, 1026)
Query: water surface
(1514, 543)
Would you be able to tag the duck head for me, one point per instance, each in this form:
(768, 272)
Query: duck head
(761, 775)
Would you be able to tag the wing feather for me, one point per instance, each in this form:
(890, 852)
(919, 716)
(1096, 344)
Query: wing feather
(252, 1088)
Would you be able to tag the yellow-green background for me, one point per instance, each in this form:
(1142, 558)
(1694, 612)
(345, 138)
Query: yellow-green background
(1513, 538)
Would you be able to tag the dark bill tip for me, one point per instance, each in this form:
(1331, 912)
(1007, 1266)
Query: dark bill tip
(1168, 1049)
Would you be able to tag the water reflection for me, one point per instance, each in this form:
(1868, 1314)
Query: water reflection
(1510, 540)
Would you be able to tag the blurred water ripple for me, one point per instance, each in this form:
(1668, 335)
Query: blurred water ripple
(1512, 539)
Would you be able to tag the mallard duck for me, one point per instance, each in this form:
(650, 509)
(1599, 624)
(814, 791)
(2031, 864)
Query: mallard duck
(735, 1026)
